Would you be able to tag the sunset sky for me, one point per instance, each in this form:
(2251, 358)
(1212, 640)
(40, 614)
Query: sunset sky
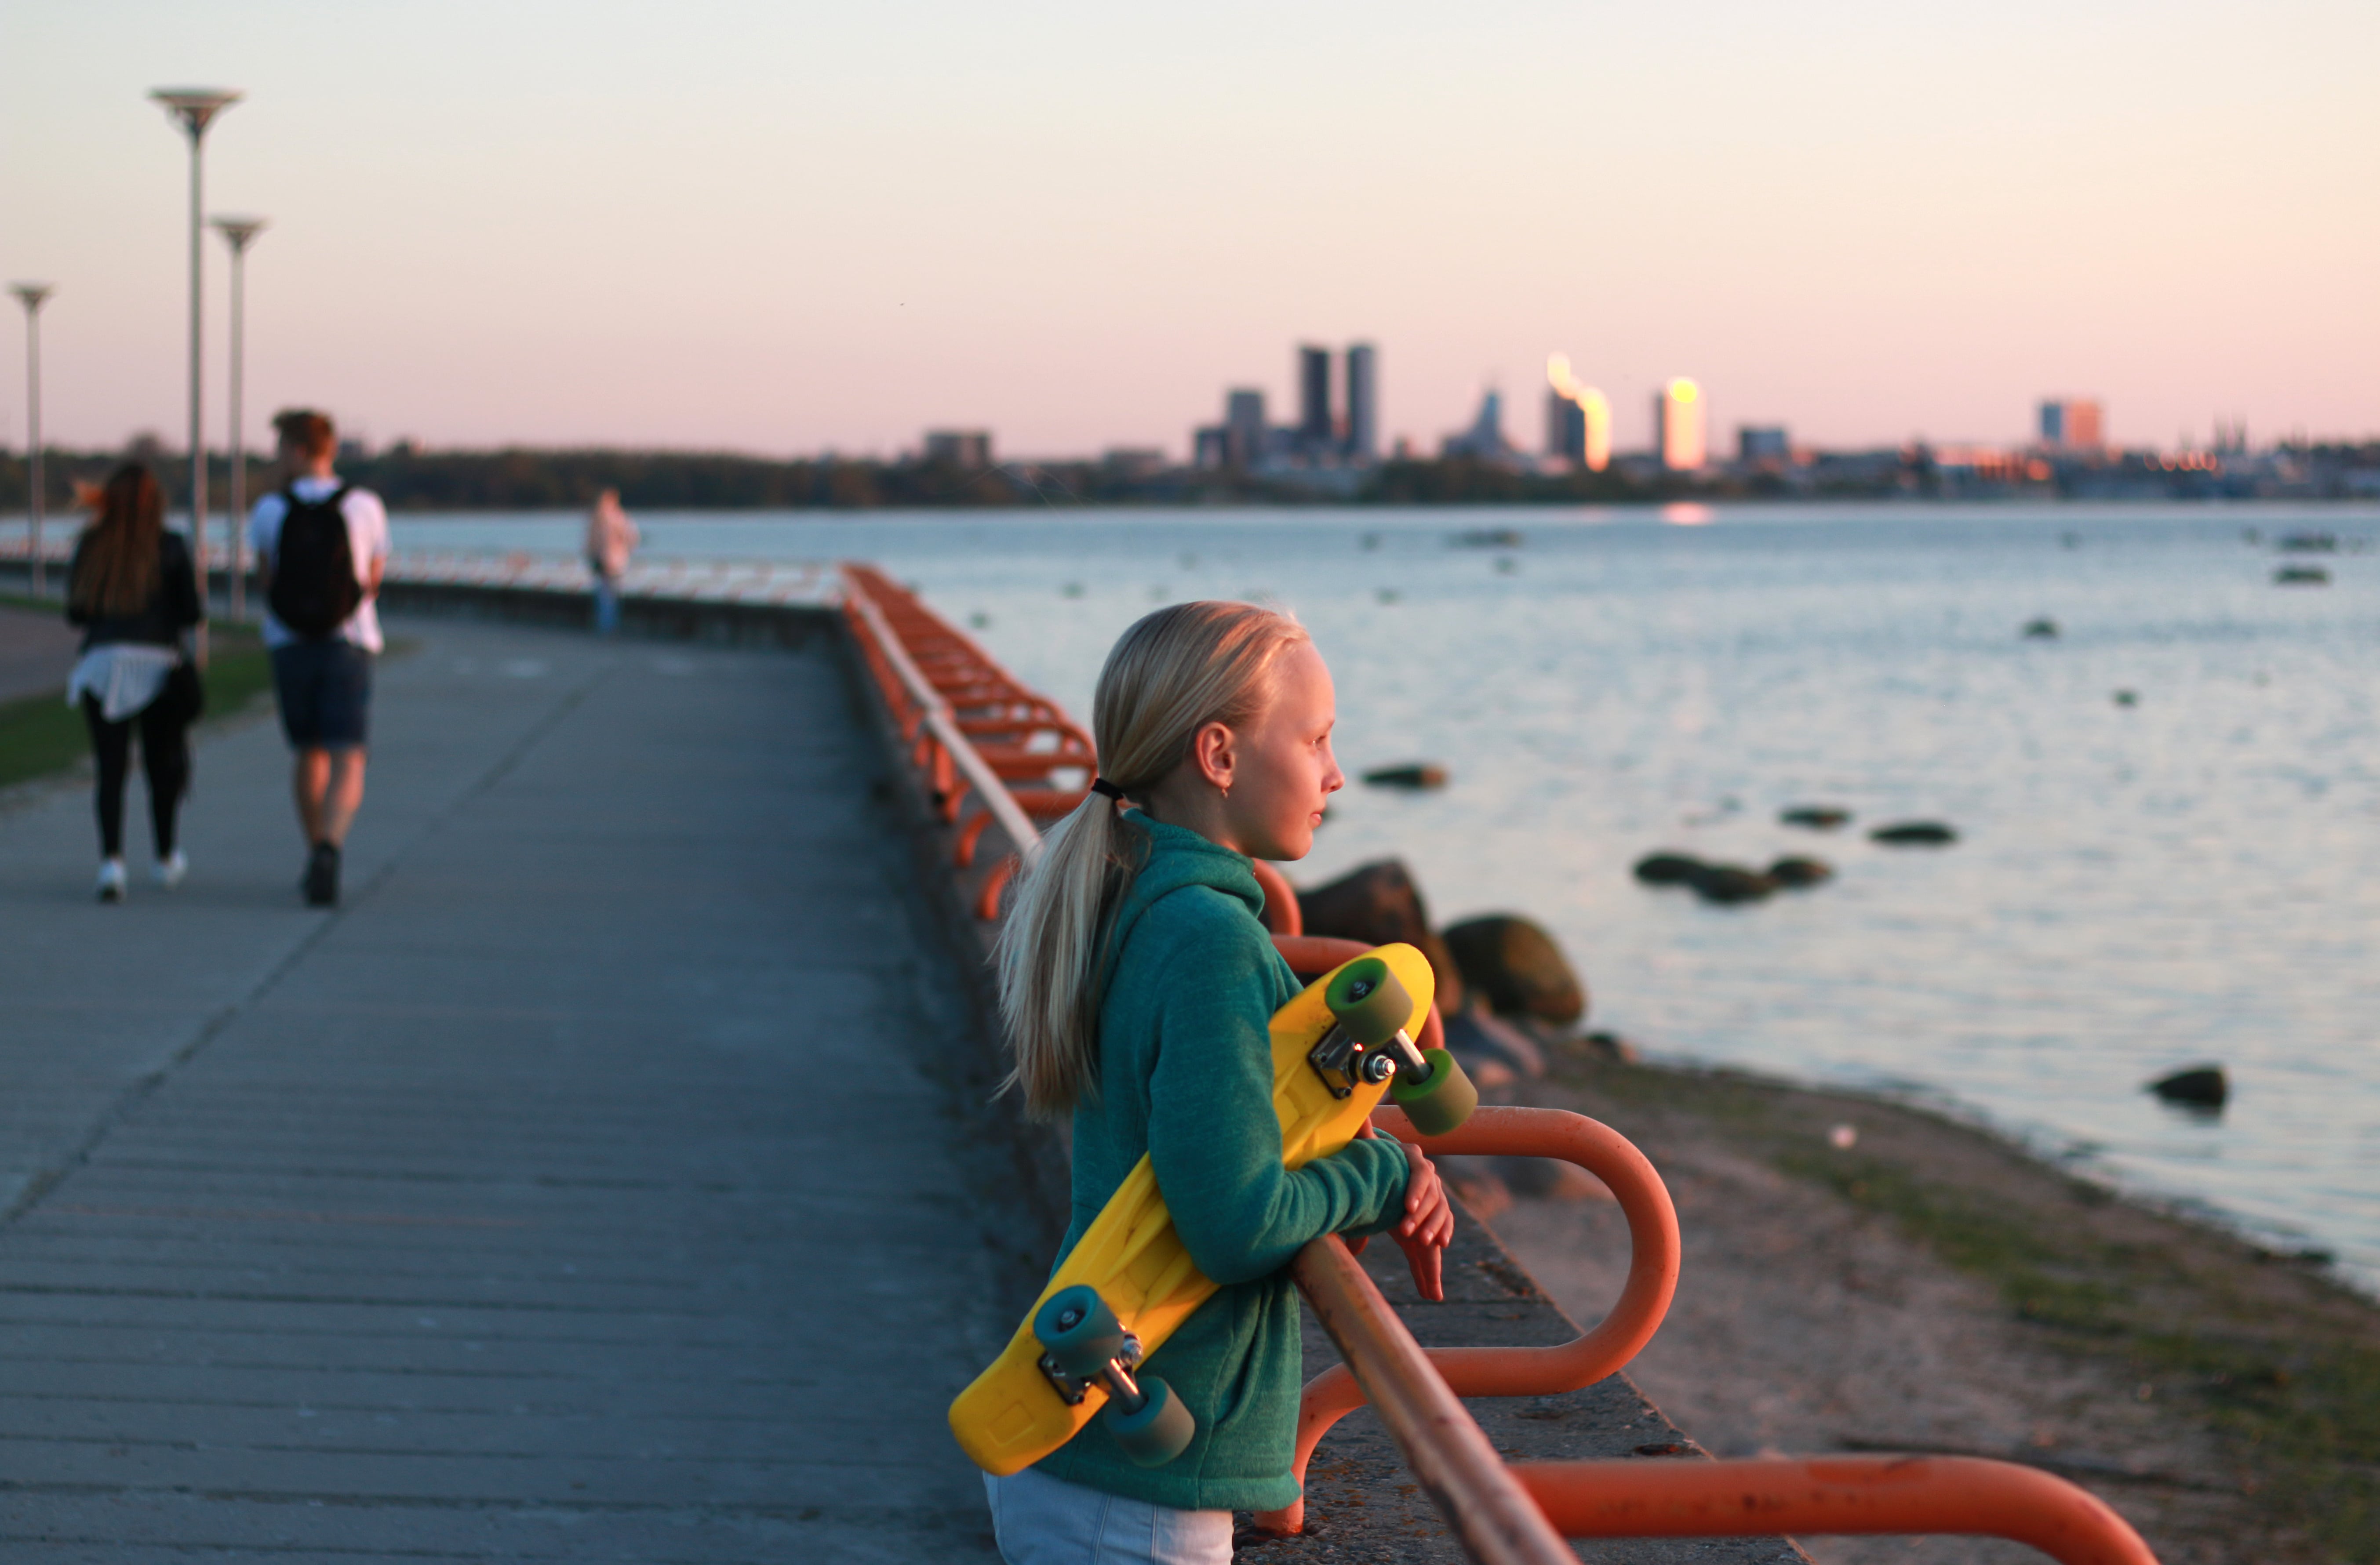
(780, 227)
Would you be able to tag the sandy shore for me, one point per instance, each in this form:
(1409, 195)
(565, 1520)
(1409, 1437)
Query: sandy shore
(1931, 1287)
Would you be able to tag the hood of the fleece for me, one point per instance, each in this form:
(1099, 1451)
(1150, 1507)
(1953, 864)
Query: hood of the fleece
(1173, 857)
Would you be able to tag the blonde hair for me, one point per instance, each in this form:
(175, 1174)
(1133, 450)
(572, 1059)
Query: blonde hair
(1170, 675)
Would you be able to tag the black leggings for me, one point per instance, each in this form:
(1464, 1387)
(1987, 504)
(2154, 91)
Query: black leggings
(165, 756)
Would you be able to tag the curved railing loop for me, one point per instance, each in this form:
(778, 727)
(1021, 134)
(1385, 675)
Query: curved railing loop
(1526, 1372)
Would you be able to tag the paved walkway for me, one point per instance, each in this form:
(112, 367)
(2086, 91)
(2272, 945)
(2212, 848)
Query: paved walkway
(584, 1189)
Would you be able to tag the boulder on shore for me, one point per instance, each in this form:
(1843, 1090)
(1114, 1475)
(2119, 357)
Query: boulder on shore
(1817, 817)
(1476, 1036)
(1420, 774)
(2203, 1085)
(1915, 833)
(1379, 903)
(1516, 967)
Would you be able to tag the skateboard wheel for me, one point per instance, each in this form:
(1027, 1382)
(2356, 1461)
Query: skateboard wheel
(1079, 1331)
(1158, 1432)
(1442, 1103)
(1367, 1000)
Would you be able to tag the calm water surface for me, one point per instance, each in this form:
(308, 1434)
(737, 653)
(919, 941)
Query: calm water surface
(2192, 878)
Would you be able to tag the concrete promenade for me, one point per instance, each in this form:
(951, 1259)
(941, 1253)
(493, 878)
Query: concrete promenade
(589, 1187)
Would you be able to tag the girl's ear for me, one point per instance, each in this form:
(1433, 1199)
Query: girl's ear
(1214, 751)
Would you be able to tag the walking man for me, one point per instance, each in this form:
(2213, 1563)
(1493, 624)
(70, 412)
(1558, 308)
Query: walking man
(320, 546)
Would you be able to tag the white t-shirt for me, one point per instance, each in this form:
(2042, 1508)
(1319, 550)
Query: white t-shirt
(367, 540)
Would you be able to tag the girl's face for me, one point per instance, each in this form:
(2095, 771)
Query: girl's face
(1277, 771)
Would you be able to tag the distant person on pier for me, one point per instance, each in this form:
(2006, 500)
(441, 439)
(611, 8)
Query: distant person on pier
(321, 547)
(611, 538)
(132, 591)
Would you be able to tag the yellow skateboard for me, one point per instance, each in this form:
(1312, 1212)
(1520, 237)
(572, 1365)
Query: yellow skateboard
(1336, 1049)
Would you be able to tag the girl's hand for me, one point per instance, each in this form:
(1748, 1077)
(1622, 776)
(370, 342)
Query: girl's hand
(1427, 1228)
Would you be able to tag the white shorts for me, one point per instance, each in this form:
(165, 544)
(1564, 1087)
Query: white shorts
(1044, 1521)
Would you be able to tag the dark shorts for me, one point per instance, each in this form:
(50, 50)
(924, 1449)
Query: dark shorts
(325, 690)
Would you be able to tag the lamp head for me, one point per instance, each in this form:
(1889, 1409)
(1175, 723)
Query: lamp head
(195, 107)
(238, 231)
(31, 294)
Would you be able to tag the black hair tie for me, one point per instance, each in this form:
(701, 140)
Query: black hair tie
(1105, 789)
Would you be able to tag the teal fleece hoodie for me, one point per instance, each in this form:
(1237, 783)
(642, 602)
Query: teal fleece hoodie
(1185, 1075)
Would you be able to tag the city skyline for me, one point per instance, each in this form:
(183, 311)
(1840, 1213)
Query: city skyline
(848, 228)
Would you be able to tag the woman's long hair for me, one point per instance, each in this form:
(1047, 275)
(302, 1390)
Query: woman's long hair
(115, 567)
(1172, 674)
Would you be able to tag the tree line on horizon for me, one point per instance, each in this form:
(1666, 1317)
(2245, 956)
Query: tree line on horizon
(413, 479)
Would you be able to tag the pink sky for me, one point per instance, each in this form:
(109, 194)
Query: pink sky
(784, 228)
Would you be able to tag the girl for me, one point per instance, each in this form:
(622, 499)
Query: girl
(134, 592)
(1137, 983)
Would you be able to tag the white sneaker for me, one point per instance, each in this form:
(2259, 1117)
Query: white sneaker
(111, 880)
(169, 874)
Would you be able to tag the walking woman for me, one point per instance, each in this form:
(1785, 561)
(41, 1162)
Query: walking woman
(133, 591)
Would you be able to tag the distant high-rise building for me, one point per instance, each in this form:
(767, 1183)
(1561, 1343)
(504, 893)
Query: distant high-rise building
(1244, 428)
(1484, 441)
(1578, 418)
(1762, 443)
(2072, 423)
(1314, 430)
(1565, 427)
(1677, 425)
(1362, 403)
(1598, 428)
(965, 448)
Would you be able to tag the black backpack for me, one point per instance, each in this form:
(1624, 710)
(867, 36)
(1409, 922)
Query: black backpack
(314, 585)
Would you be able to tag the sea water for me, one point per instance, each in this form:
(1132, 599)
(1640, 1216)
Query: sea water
(2189, 876)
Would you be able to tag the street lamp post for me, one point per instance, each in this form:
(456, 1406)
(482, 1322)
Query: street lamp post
(237, 232)
(194, 108)
(31, 295)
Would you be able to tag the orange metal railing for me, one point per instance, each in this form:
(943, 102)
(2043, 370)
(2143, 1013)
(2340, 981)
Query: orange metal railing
(992, 753)
(1854, 1494)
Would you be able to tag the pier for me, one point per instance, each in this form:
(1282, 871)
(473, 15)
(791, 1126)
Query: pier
(586, 1187)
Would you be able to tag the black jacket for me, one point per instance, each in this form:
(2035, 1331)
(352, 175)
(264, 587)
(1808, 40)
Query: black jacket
(172, 608)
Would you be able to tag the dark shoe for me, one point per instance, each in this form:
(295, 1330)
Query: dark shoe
(322, 877)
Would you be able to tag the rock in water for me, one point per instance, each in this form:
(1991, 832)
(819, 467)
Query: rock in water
(1797, 873)
(1518, 969)
(2041, 630)
(1915, 833)
(1712, 882)
(2204, 1086)
(1817, 817)
(1379, 903)
(1729, 883)
(1421, 774)
(2302, 575)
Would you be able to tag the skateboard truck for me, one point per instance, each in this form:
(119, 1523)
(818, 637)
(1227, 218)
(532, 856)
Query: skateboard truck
(1116, 1374)
(1342, 1061)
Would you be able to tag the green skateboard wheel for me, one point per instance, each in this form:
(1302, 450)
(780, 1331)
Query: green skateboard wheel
(1442, 1102)
(1158, 1432)
(1079, 1331)
(1369, 1002)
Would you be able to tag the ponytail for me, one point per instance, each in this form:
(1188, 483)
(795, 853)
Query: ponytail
(1170, 675)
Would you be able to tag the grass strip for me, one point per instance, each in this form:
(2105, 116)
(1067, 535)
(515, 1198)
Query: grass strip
(2281, 1362)
(41, 735)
